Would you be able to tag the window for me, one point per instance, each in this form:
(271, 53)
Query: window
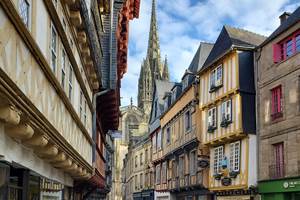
(174, 91)
(146, 155)
(136, 161)
(216, 78)
(157, 177)
(187, 121)
(24, 7)
(141, 180)
(234, 158)
(63, 68)
(141, 159)
(136, 181)
(154, 142)
(53, 48)
(185, 82)
(193, 162)
(212, 118)
(155, 108)
(164, 172)
(278, 170)
(226, 111)
(84, 113)
(174, 169)
(218, 157)
(168, 132)
(166, 103)
(287, 47)
(298, 43)
(158, 143)
(80, 104)
(276, 102)
(181, 167)
(70, 82)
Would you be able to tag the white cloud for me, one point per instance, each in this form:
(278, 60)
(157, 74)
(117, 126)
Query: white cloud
(182, 24)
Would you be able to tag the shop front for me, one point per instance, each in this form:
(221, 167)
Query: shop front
(283, 189)
(148, 195)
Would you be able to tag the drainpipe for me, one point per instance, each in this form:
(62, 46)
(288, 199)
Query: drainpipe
(257, 113)
(96, 95)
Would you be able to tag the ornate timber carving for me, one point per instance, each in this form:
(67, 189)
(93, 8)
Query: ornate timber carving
(21, 131)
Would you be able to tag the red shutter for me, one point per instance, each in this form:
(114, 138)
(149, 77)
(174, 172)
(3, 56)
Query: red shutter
(279, 96)
(273, 101)
(276, 53)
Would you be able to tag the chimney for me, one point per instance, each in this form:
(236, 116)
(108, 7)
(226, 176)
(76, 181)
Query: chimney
(284, 17)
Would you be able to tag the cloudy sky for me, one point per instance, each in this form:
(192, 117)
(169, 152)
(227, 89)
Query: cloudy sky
(183, 24)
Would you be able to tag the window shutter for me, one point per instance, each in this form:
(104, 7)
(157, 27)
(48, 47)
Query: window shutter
(276, 53)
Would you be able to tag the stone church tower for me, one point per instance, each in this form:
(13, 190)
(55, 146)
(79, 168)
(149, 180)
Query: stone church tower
(152, 67)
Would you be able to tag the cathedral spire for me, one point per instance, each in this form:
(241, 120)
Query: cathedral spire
(165, 74)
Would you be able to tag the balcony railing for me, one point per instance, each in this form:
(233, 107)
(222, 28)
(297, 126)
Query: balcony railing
(277, 171)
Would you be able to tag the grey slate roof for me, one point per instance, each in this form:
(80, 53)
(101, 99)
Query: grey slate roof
(232, 37)
(200, 56)
(290, 21)
(161, 88)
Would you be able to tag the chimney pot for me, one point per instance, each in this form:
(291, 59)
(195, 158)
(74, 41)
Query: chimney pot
(284, 17)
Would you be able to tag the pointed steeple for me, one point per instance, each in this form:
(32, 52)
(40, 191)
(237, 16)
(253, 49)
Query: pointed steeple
(165, 74)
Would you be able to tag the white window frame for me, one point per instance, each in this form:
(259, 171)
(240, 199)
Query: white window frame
(53, 50)
(27, 21)
(212, 117)
(63, 68)
(80, 104)
(226, 110)
(216, 76)
(188, 123)
(70, 82)
(235, 155)
(218, 158)
(84, 113)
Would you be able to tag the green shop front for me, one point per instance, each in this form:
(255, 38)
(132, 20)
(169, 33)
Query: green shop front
(280, 189)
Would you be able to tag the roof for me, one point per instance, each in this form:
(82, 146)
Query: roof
(232, 37)
(289, 22)
(200, 57)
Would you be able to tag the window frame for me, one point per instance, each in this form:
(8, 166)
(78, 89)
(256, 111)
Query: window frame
(234, 157)
(276, 102)
(63, 67)
(280, 48)
(157, 174)
(70, 82)
(213, 120)
(217, 164)
(193, 162)
(188, 128)
(28, 20)
(168, 135)
(225, 111)
(216, 78)
(164, 172)
(181, 170)
(53, 51)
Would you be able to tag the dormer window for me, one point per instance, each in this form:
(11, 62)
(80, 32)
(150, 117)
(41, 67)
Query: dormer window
(216, 78)
(185, 82)
(166, 103)
(226, 115)
(174, 95)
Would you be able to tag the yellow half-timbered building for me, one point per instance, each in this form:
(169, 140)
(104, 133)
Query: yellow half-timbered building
(227, 104)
